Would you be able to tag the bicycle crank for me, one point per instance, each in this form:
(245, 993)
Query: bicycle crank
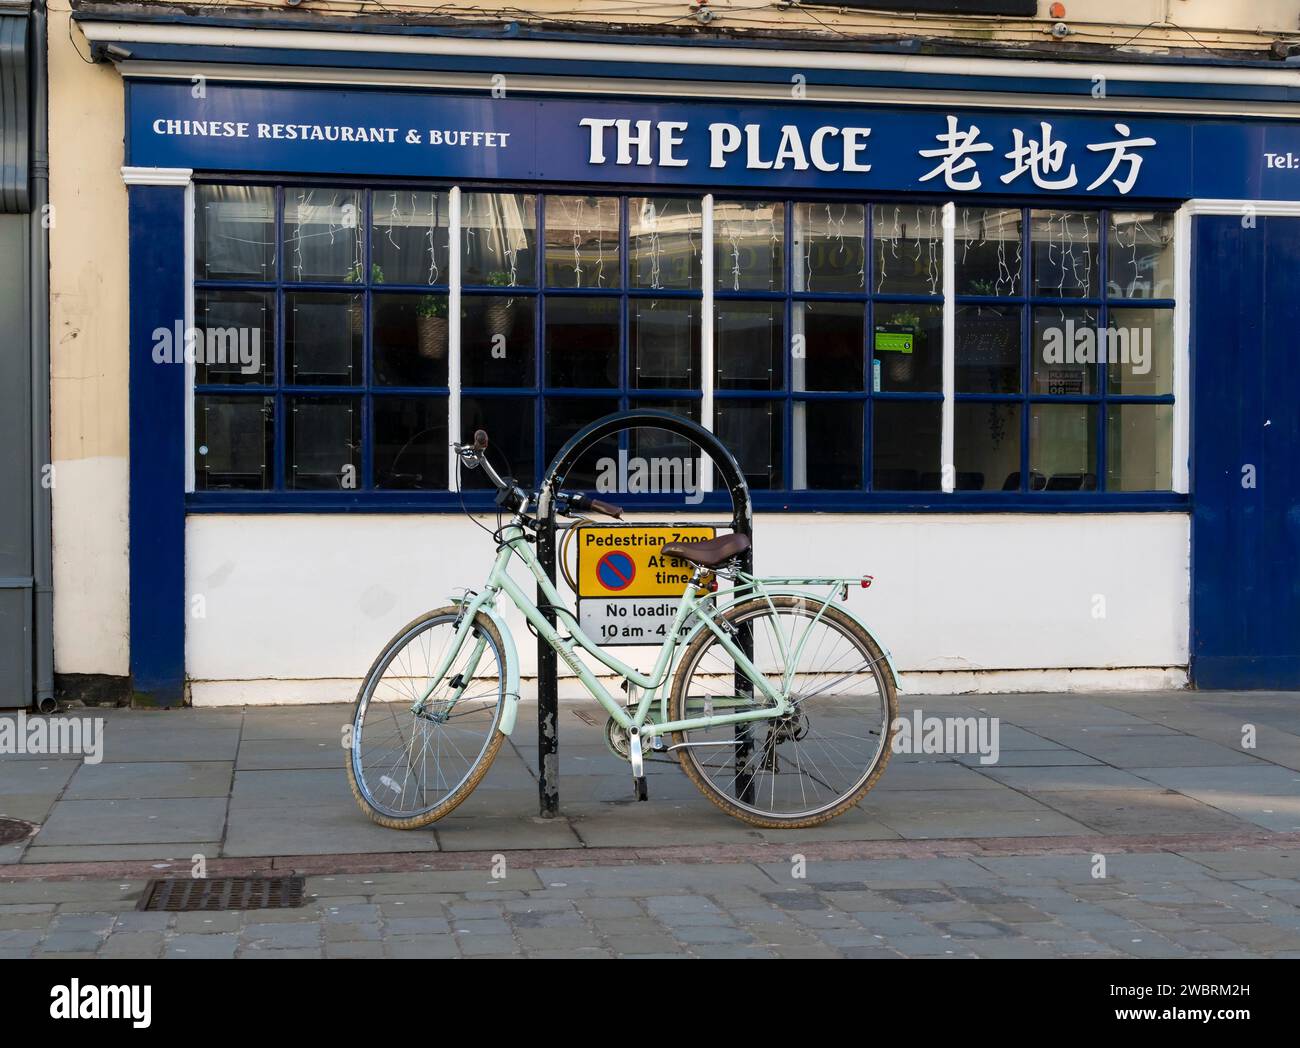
(626, 743)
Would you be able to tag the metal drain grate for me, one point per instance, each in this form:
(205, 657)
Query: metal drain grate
(189, 894)
(14, 830)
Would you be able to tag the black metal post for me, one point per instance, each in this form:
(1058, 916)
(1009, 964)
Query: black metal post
(744, 686)
(548, 691)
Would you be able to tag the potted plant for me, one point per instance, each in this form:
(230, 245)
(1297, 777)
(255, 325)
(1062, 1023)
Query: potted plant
(431, 327)
(500, 317)
(354, 276)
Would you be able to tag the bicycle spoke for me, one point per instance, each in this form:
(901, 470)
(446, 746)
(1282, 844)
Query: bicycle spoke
(418, 740)
(806, 761)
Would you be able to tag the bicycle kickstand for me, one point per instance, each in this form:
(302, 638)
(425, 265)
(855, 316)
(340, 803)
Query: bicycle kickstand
(638, 765)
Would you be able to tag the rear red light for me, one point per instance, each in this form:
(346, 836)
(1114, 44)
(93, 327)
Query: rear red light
(867, 580)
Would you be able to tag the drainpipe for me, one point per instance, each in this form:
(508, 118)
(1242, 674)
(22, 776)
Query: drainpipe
(42, 525)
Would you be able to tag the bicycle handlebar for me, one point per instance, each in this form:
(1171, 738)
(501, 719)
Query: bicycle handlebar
(475, 455)
(589, 503)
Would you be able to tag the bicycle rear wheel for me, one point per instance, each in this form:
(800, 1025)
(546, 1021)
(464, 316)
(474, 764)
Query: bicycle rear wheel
(419, 744)
(816, 762)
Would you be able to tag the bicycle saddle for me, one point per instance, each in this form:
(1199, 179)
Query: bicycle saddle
(711, 553)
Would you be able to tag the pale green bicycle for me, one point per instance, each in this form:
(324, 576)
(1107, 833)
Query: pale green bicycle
(780, 708)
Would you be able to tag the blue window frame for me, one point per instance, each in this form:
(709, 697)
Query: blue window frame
(331, 381)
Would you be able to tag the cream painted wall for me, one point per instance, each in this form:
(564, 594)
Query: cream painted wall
(308, 601)
(88, 336)
(1137, 24)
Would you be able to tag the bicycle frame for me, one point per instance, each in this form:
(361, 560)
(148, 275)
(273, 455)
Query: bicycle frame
(690, 606)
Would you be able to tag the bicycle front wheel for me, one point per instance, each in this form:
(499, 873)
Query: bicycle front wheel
(421, 742)
(812, 764)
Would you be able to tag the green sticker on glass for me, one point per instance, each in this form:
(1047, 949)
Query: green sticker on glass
(894, 338)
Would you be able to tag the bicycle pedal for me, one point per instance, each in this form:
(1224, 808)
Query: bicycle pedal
(640, 788)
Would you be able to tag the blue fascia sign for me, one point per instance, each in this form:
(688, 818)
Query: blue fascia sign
(811, 146)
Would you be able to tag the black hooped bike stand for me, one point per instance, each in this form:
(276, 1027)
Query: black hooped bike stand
(742, 522)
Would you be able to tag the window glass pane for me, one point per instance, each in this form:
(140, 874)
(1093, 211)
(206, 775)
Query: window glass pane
(511, 426)
(234, 232)
(749, 245)
(749, 341)
(664, 239)
(408, 236)
(1140, 255)
(564, 417)
(905, 445)
(657, 462)
(1139, 447)
(830, 251)
(908, 348)
(499, 239)
(1063, 447)
(1140, 351)
(752, 429)
(986, 446)
(323, 443)
(828, 445)
(238, 337)
(663, 340)
(410, 443)
(1064, 246)
(497, 335)
(683, 456)
(582, 342)
(1063, 354)
(827, 347)
(988, 349)
(232, 443)
(988, 251)
(409, 340)
(322, 338)
(907, 247)
(322, 237)
(582, 242)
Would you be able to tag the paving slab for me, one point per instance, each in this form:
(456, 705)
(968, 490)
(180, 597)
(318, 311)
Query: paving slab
(1065, 777)
(943, 824)
(504, 833)
(1160, 751)
(40, 777)
(1035, 758)
(650, 824)
(133, 821)
(30, 807)
(140, 779)
(272, 754)
(292, 788)
(316, 830)
(181, 854)
(1141, 811)
(315, 723)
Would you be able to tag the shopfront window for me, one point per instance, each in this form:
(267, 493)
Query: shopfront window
(332, 362)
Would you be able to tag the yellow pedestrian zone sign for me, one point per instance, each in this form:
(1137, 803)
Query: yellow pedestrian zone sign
(628, 591)
(624, 561)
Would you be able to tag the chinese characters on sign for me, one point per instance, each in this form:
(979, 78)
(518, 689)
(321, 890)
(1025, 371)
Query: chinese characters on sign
(1041, 158)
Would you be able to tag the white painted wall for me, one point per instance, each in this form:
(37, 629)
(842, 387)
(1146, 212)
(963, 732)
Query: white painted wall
(295, 607)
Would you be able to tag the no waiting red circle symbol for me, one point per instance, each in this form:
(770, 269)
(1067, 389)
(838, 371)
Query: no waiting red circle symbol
(615, 571)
